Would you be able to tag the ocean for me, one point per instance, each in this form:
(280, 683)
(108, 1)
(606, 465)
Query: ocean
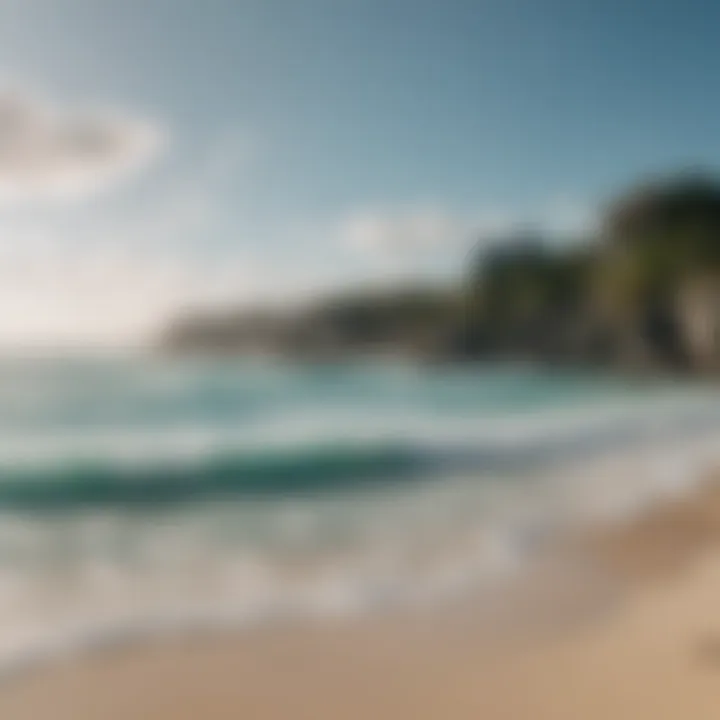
(143, 496)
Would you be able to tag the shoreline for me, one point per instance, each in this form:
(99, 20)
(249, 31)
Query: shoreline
(632, 636)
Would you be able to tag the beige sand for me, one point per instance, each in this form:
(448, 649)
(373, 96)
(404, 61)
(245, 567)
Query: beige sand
(656, 656)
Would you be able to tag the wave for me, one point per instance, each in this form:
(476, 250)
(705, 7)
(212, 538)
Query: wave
(222, 473)
(83, 483)
(186, 467)
(63, 466)
(345, 589)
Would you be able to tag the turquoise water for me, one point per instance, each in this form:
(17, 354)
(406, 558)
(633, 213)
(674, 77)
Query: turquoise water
(144, 495)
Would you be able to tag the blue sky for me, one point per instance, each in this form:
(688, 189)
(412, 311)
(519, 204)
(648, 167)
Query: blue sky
(307, 143)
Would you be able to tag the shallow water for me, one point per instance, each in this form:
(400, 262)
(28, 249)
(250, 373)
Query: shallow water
(141, 496)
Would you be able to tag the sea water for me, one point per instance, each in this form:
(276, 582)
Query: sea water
(142, 496)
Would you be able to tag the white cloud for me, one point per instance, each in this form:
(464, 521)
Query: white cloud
(416, 242)
(49, 153)
(79, 278)
(399, 232)
(424, 231)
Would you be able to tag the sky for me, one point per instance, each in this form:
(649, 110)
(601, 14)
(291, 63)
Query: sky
(159, 155)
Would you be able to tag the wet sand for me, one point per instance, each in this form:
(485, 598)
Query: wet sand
(633, 632)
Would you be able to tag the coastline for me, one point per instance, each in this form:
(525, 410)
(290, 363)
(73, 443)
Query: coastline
(637, 637)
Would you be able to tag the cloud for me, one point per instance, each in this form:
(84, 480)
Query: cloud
(425, 231)
(49, 153)
(77, 277)
(399, 232)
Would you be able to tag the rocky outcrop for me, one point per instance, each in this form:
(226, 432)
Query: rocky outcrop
(644, 294)
(698, 313)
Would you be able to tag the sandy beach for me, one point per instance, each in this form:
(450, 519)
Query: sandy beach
(649, 649)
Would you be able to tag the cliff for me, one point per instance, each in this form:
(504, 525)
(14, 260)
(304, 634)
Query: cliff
(643, 293)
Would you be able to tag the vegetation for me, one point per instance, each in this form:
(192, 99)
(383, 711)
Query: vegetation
(621, 297)
(645, 291)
